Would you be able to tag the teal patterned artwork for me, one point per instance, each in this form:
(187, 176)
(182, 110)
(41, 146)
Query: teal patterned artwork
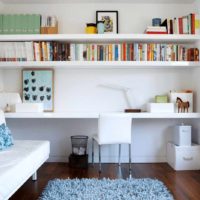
(38, 87)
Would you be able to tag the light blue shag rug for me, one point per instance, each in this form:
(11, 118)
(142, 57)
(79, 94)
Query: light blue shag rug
(106, 189)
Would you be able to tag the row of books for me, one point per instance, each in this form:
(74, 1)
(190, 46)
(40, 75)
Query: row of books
(60, 51)
(189, 24)
(25, 23)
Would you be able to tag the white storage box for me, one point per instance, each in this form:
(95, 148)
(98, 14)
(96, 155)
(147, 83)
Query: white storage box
(9, 98)
(182, 135)
(183, 157)
(185, 97)
(160, 107)
(29, 107)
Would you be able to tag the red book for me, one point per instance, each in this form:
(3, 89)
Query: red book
(152, 32)
(131, 52)
(192, 23)
(180, 25)
(124, 51)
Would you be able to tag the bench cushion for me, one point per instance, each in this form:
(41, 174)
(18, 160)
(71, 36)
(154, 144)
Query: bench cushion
(19, 162)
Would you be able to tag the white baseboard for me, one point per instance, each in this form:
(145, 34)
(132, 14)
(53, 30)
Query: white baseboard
(138, 159)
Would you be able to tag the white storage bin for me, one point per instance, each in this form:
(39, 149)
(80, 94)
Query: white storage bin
(183, 157)
(160, 107)
(184, 97)
(29, 107)
(182, 135)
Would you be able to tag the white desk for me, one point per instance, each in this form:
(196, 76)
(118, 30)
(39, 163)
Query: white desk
(94, 115)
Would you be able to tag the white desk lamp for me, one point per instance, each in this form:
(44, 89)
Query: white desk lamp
(126, 92)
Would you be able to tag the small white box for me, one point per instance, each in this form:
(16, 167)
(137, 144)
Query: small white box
(10, 98)
(160, 107)
(185, 97)
(29, 107)
(182, 135)
(183, 157)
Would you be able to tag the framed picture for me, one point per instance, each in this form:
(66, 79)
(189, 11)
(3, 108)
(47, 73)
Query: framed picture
(38, 87)
(110, 19)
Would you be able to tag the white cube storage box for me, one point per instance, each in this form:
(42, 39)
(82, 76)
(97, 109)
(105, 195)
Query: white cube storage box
(185, 97)
(182, 135)
(183, 157)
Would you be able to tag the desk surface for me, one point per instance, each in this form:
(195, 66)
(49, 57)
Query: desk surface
(94, 115)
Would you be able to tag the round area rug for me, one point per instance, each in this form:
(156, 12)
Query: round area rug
(106, 189)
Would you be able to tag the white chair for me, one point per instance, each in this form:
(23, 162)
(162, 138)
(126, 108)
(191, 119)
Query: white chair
(113, 129)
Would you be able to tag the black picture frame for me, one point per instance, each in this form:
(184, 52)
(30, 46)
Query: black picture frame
(101, 13)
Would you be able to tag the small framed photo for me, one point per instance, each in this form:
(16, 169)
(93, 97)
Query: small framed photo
(110, 19)
(38, 87)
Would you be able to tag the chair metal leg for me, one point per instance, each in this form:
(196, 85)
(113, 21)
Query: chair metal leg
(34, 176)
(93, 152)
(119, 158)
(99, 158)
(130, 170)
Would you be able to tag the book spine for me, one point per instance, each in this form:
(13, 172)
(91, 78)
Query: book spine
(192, 23)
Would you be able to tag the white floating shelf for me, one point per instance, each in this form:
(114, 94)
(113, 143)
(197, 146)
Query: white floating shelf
(97, 1)
(94, 115)
(99, 38)
(101, 65)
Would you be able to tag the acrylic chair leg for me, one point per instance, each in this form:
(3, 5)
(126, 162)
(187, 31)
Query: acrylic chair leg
(99, 158)
(130, 170)
(119, 158)
(93, 152)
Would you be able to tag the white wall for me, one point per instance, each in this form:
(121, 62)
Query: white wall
(133, 18)
(1, 81)
(78, 90)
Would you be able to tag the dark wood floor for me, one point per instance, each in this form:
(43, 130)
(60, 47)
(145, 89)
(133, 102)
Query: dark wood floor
(184, 185)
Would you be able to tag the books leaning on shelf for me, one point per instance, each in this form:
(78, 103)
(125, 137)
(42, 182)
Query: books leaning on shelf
(62, 51)
(189, 24)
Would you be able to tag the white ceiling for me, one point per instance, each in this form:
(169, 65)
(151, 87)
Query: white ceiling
(96, 1)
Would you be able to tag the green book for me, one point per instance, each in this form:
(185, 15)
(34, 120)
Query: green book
(1, 24)
(9, 17)
(12, 24)
(21, 24)
(37, 19)
(29, 24)
(17, 24)
(5, 24)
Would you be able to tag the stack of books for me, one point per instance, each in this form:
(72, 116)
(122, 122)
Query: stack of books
(156, 30)
(62, 51)
(20, 24)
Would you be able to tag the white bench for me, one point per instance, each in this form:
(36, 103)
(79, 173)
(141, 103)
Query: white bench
(19, 162)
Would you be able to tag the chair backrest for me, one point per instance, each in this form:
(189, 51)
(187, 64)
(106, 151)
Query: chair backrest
(2, 117)
(114, 128)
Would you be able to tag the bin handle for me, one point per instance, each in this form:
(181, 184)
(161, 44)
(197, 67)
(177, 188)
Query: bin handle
(187, 158)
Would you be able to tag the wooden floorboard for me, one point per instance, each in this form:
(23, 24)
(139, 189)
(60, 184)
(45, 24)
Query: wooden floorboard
(184, 185)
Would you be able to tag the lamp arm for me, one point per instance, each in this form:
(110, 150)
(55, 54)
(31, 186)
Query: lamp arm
(126, 95)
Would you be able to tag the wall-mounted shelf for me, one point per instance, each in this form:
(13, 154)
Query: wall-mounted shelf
(77, 115)
(84, 38)
(98, 1)
(101, 65)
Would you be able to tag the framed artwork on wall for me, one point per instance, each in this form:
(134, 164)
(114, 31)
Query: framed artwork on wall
(38, 87)
(110, 19)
